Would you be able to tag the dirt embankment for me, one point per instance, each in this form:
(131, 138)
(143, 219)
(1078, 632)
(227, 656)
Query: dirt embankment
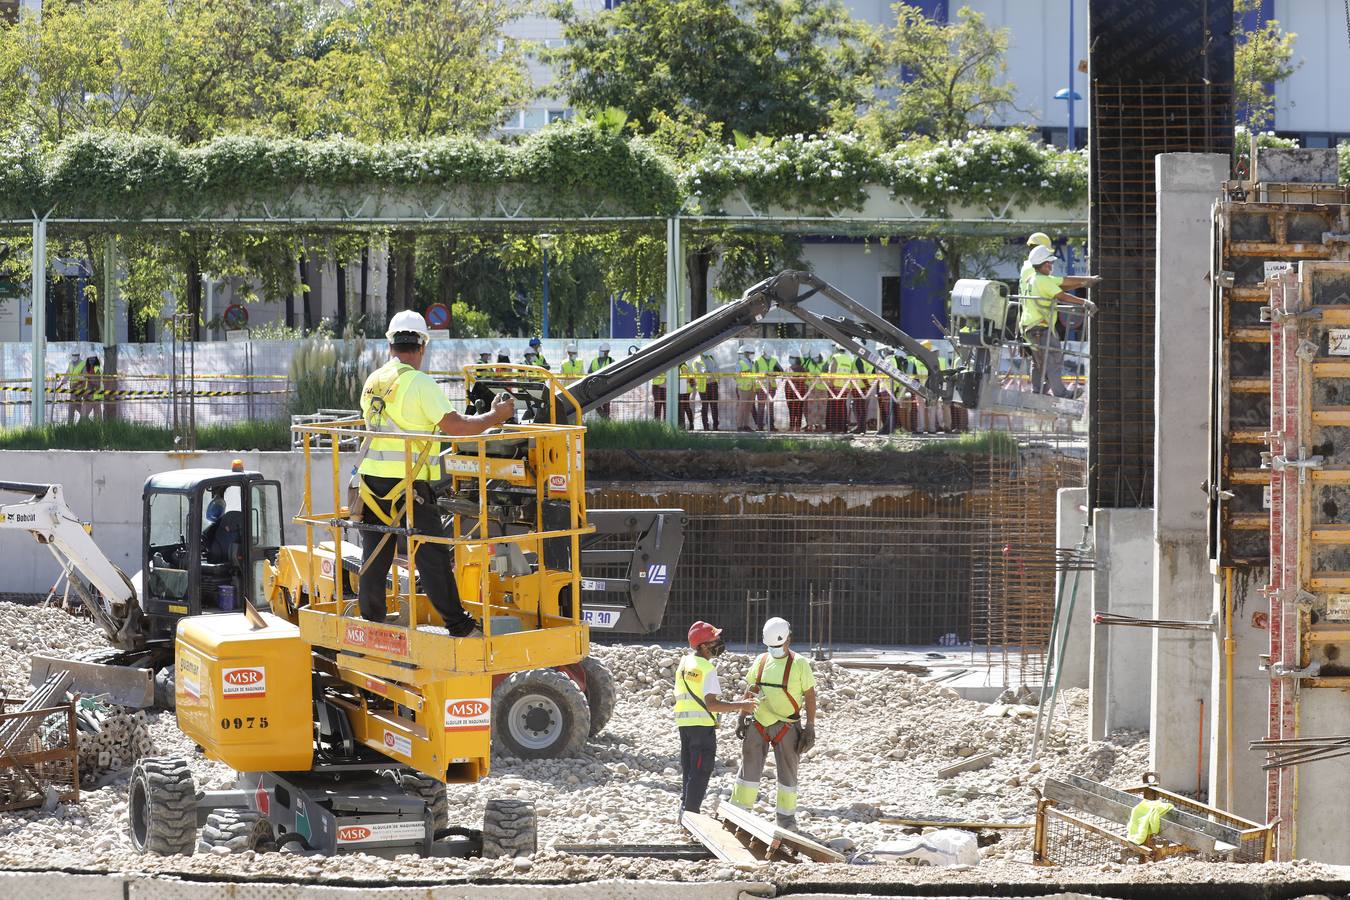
(852, 466)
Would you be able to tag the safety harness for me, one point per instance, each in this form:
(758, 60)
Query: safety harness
(774, 739)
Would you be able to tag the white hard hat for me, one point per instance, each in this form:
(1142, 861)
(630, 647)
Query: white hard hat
(502, 351)
(408, 322)
(776, 632)
(604, 348)
(1039, 255)
(746, 348)
(571, 348)
(885, 351)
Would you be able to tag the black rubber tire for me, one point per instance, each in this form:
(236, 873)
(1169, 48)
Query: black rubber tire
(165, 698)
(235, 829)
(162, 807)
(601, 694)
(510, 829)
(552, 719)
(431, 792)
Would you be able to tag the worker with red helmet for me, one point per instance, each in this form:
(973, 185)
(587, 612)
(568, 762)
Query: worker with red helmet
(696, 707)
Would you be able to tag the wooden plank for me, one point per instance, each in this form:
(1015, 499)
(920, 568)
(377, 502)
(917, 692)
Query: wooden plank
(1250, 335)
(1249, 476)
(1247, 436)
(969, 764)
(1249, 385)
(1331, 534)
(1249, 521)
(1331, 368)
(1329, 581)
(721, 843)
(1332, 415)
(776, 837)
(1331, 475)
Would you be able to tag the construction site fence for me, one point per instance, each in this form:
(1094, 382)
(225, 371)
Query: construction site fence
(717, 401)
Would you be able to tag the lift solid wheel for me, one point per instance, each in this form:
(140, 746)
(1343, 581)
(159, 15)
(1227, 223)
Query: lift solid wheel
(432, 793)
(510, 829)
(540, 714)
(236, 830)
(600, 693)
(162, 807)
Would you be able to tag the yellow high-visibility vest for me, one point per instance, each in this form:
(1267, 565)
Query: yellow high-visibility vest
(382, 399)
(700, 376)
(690, 677)
(572, 367)
(743, 381)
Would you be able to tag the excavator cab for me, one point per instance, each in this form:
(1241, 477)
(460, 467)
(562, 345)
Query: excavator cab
(208, 534)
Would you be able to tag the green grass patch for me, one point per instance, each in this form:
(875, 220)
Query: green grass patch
(118, 435)
(649, 434)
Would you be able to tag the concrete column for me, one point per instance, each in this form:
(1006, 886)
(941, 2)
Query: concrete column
(1183, 586)
(1076, 604)
(1250, 702)
(1123, 584)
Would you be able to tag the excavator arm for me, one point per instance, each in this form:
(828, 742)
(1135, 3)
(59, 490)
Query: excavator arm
(787, 291)
(46, 516)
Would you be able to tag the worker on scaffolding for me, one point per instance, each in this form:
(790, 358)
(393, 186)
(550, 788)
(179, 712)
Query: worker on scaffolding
(399, 398)
(1040, 314)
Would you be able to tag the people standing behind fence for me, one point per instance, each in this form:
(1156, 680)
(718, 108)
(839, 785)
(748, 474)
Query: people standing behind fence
(745, 388)
(887, 392)
(572, 369)
(535, 355)
(72, 384)
(686, 389)
(766, 364)
(96, 393)
(705, 382)
(816, 393)
(601, 360)
(840, 388)
(659, 397)
(795, 388)
(862, 397)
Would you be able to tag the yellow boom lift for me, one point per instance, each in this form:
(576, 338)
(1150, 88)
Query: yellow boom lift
(345, 732)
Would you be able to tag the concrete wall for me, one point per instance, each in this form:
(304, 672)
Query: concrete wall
(1075, 666)
(1183, 588)
(1122, 584)
(105, 488)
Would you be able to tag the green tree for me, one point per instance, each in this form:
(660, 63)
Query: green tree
(939, 79)
(1262, 58)
(416, 68)
(756, 66)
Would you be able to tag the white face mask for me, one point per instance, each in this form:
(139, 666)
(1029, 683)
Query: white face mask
(778, 652)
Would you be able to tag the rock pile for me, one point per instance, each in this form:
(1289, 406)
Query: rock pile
(881, 738)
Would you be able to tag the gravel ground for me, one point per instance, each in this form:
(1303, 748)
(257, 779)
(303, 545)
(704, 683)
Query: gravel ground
(881, 738)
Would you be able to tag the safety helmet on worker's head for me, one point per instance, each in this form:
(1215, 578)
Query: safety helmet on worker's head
(407, 323)
(571, 349)
(604, 348)
(776, 632)
(746, 348)
(885, 350)
(535, 342)
(701, 632)
(503, 355)
(485, 353)
(927, 344)
(1040, 255)
(795, 354)
(1039, 239)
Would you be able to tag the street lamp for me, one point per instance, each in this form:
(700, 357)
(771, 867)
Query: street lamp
(545, 242)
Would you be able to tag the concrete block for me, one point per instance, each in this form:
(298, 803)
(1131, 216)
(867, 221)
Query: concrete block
(1121, 656)
(1299, 165)
(1076, 607)
(60, 886)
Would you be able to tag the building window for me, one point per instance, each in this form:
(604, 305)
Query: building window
(514, 121)
(559, 115)
(534, 118)
(890, 299)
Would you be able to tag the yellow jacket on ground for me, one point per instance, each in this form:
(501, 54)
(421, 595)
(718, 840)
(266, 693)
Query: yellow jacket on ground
(398, 398)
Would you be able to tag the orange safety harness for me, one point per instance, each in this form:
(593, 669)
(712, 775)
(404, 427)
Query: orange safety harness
(774, 739)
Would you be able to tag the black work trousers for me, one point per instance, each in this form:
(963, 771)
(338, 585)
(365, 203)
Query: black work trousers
(698, 752)
(435, 577)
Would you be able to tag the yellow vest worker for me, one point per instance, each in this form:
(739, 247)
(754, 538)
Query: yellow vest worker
(784, 721)
(696, 707)
(701, 376)
(398, 398)
(572, 366)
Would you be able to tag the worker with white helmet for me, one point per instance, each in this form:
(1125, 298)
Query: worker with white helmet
(766, 387)
(601, 360)
(1040, 315)
(815, 391)
(705, 382)
(784, 721)
(572, 367)
(399, 398)
(745, 387)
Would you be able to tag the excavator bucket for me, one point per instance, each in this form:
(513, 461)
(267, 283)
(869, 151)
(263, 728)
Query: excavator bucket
(118, 684)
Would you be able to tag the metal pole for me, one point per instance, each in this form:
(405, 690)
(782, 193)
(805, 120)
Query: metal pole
(674, 305)
(38, 295)
(1072, 142)
(543, 325)
(110, 284)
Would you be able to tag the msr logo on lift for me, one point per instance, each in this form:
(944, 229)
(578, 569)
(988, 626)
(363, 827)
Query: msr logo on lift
(473, 714)
(244, 681)
(353, 833)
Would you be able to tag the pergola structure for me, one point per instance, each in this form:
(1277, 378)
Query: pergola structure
(520, 209)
